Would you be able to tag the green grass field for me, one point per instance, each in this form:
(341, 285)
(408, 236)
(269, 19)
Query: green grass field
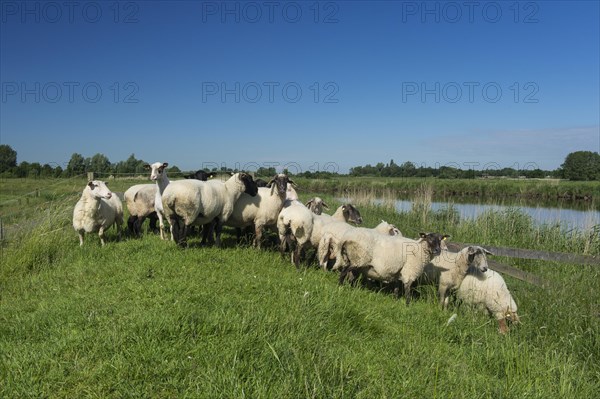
(143, 318)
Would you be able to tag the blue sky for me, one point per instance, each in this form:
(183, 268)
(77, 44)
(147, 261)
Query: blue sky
(325, 85)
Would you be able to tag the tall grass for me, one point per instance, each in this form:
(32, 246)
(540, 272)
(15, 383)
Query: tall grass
(143, 318)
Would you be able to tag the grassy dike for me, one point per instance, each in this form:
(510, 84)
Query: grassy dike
(143, 318)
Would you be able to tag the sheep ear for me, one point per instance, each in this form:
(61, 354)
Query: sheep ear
(92, 185)
(164, 165)
(487, 252)
(292, 183)
(422, 235)
(325, 205)
(471, 250)
(147, 167)
(445, 237)
(308, 204)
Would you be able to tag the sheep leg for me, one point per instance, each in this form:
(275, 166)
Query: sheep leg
(131, 224)
(101, 235)
(80, 232)
(502, 327)
(153, 220)
(161, 223)
(343, 274)
(407, 291)
(139, 225)
(218, 229)
(207, 233)
(258, 230)
(443, 298)
(175, 228)
(296, 256)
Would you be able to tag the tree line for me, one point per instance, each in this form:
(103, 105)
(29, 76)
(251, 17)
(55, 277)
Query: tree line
(578, 165)
(77, 165)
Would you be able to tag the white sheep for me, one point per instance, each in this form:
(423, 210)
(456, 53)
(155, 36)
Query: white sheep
(448, 269)
(261, 209)
(389, 259)
(140, 204)
(97, 210)
(194, 202)
(334, 233)
(158, 173)
(316, 205)
(489, 291)
(298, 223)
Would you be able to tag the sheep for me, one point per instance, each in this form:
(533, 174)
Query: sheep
(298, 223)
(390, 259)
(97, 210)
(261, 183)
(193, 202)
(263, 209)
(334, 233)
(316, 205)
(140, 204)
(450, 268)
(488, 290)
(159, 175)
(200, 175)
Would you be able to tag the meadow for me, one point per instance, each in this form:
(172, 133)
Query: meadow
(144, 318)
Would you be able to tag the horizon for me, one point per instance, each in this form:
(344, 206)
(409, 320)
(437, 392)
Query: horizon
(320, 86)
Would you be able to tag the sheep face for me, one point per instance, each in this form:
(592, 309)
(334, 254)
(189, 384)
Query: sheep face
(157, 169)
(477, 258)
(250, 186)
(434, 242)
(392, 230)
(316, 205)
(98, 189)
(351, 214)
(279, 182)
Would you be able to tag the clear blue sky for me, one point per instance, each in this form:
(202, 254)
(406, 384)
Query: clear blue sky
(191, 83)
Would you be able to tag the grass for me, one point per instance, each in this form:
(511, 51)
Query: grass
(143, 318)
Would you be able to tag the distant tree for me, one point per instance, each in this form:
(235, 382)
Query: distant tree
(100, 164)
(76, 165)
(47, 171)
(173, 171)
(262, 171)
(8, 158)
(58, 171)
(22, 170)
(35, 170)
(582, 165)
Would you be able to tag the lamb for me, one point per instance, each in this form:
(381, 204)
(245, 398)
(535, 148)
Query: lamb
(159, 174)
(262, 209)
(390, 259)
(140, 204)
(97, 210)
(450, 268)
(488, 290)
(316, 205)
(329, 248)
(298, 223)
(193, 202)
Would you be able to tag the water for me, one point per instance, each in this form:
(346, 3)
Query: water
(568, 218)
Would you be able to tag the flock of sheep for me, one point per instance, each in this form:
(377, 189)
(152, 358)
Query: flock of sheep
(381, 254)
